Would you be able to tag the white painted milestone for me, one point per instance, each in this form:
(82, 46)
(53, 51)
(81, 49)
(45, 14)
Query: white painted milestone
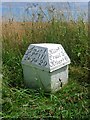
(45, 66)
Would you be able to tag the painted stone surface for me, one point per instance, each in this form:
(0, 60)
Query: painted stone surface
(43, 63)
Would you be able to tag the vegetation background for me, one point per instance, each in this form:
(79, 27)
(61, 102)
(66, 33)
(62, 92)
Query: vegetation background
(72, 101)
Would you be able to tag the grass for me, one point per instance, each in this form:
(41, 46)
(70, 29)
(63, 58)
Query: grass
(69, 103)
(72, 101)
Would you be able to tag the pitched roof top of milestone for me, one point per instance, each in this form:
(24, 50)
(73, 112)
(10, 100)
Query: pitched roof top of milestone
(47, 45)
(46, 56)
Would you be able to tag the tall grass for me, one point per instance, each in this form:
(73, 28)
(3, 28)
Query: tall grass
(18, 101)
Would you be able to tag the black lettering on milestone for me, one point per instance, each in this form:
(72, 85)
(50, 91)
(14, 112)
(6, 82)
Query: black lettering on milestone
(50, 57)
(59, 62)
(35, 49)
(66, 58)
(41, 50)
(41, 61)
(35, 60)
(58, 48)
(63, 59)
(52, 64)
(28, 58)
(62, 53)
(57, 56)
(30, 50)
(36, 53)
(32, 53)
(44, 51)
(32, 59)
(52, 51)
(45, 63)
(43, 54)
(39, 55)
(44, 57)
